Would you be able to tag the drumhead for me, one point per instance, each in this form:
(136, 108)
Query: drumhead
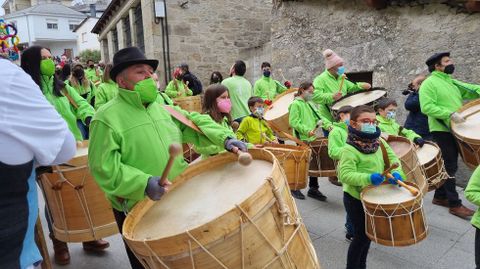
(387, 194)
(360, 98)
(401, 148)
(427, 153)
(279, 107)
(202, 199)
(81, 151)
(469, 128)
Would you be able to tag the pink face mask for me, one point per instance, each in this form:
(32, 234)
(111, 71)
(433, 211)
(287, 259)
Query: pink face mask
(224, 105)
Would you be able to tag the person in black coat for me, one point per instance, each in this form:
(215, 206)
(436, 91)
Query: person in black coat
(193, 82)
(416, 120)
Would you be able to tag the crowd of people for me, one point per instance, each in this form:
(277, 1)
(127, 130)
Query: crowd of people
(120, 108)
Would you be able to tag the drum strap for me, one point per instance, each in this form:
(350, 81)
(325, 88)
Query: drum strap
(314, 111)
(386, 160)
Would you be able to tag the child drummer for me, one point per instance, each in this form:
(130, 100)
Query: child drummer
(336, 142)
(304, 118)
(361, 165)
(254, 129)
(387, 110)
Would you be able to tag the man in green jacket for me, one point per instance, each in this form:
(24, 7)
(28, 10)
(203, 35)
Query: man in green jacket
(239, 90)
(327, 84)
(131, 134)
(93, 74)
(440, 97)
(266, 87)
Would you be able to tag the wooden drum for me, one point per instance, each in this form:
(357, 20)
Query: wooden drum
(295, 161)
(468, 134)
(190, 103)
(369, 98)
(321, 165)
(393, 216)
(277, 114)
(220, 214)
(405, 151)
(78, 207)
(430, 158)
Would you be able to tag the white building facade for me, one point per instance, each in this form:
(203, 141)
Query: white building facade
(86, 39)
(48, 25)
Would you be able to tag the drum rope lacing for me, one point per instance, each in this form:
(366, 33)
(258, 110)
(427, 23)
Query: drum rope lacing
(413, 165)
(283, 156)
(437, 179)
(318, 159)
(80, 196)
(409, 214)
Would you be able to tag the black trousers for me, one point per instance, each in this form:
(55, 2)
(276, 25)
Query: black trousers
(120, 219)
(313, 182)
(448, 146)
(477, 248)
(358, 250)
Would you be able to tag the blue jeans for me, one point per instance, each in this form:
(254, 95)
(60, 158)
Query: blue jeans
(83, 129)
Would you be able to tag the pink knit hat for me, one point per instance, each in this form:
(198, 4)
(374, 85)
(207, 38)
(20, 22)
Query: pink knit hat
(331, 58)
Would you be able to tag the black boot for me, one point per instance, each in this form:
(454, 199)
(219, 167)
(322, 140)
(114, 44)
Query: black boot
(316, 194)
(298, 194)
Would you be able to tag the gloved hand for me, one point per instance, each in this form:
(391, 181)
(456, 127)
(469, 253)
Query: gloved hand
(396, 176)
(376, 179)
(287, 84)
(230, 143)
(87, 121)
(419, 141)
(153, 190)
(457, 118)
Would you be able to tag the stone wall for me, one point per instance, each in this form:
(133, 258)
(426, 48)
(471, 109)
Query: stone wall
(394, 42)
(211, 35)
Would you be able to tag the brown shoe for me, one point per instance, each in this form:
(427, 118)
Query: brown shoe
(97, 245)
(461, 211)
(440, 202)
(334, 181)
(62, 256)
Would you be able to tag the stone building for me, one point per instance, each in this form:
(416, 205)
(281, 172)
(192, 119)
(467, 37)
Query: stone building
(208, 35)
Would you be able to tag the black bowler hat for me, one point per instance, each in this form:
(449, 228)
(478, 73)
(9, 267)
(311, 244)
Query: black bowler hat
(127, 57)
(436, 57)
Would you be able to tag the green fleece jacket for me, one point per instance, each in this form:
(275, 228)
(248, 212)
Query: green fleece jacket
(393, 128)
(441, 95)
(472, 193)
(355, 168)
(303, 118)
(268, 88)
(172, 91)
(93, 74)
(63, 106)
(254, 130)
(239, 90)
(337, 139)
(129, 144)
(326, 85)
(212, 149)
(106, 91)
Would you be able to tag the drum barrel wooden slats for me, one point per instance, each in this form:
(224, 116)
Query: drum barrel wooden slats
(405, 151)
(78, 208)
(281, 122)
(190, 103)
(321, 165)
(434, 168)
(295, 162)
(467, 135)
(263, 231)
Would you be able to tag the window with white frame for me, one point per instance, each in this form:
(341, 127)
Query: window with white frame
(84, 37)
(52, 24)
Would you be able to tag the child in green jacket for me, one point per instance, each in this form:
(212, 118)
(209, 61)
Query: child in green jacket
(337, 139)
(472, 193)
(253, 128)
(387, 110)
(361, 165)
(176, 88)
(217, 104)
(304, 119)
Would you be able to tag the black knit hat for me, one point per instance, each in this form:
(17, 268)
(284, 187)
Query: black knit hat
(436, 57)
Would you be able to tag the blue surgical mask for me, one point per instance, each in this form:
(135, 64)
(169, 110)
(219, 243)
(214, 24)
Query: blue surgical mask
(259, 111)
(391, 115)
(341, 70)
(347, 122)
(368, 128)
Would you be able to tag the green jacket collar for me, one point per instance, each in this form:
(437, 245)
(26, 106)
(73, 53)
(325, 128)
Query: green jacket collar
(332, 76)
(383, 120)
(341, 124)
(266, 78)
(442, 75)
(130, 97)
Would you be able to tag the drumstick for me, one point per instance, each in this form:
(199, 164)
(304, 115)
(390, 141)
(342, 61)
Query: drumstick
(173, 151)
(471, 113)
(411, 189)
(244, 158)
(291, 137)
(387, 171)
(341, 83)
